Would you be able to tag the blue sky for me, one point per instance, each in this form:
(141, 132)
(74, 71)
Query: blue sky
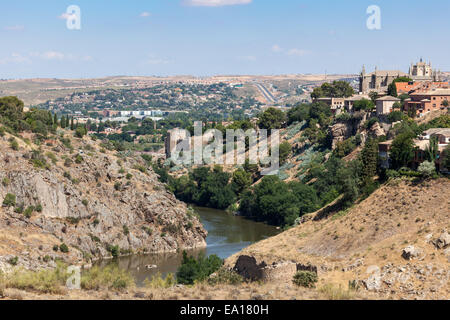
(210, 37)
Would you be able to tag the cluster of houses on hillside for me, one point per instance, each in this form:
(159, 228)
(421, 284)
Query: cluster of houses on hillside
(425, 93)
(442, 135)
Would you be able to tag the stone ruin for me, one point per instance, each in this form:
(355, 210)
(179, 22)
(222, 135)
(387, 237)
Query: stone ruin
(250, 269)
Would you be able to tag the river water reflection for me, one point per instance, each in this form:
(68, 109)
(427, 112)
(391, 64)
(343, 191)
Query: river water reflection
(227, 234)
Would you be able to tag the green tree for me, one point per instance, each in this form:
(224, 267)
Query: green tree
(272, 119)
(285, 150)
(241, 180)
(364, 104)
(11, 112)
(402, 150)
(337, 89)
(373, 96)
(192, 269)
(432, 150)
(369, 159)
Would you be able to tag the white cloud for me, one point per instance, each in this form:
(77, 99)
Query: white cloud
(145, 14)
(298, 52)
(155, 60)
(276, 48)
(47, 55)
(14, 28)
(215, 3)
(15, 58)
(53, 55)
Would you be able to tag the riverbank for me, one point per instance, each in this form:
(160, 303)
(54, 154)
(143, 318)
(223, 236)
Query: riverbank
(227, 235)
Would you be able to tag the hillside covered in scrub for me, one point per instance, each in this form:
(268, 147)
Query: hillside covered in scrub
(65, 197)
(395, 243)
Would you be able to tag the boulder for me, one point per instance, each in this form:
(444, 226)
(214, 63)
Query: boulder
(411, 252)
(443, 241)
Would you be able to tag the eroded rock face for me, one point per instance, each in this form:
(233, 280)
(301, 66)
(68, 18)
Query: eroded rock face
(92, 207)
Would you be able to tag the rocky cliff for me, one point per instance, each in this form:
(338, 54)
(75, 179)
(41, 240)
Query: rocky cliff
(78, 194)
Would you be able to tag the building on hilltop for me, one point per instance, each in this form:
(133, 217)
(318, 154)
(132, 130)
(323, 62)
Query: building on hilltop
(385, 105)
(422, 71)
(422, 102)
(378, 81)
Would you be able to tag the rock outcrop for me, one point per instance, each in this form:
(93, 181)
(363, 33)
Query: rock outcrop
(100, 206)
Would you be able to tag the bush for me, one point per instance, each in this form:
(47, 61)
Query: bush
(64, 248)
(126, 231)
(14, 144)
(13, 261)
(43, 281)
(28, 212)
(110, 277)
(114, 250)
(79, 159)
(427, 169)
(158, 282)
(10, 200)
(6, 181)
(225, 276)
(305, 279)
(193, 270)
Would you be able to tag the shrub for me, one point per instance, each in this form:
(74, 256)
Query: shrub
(427, 169)
(225, 276)
(13, 261)
(38, 208)
(6, 181)
(305, 279)
(129, 176)
(110, 277)
(73, 220)
(193, 270)
(79, 159)
(10, 200)
(43, 281)
(55, 248)
(28, 212)
(126, 231)
(14, 144)
(64, 248)
(158, 282)
(114, 250)
(85, 202)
